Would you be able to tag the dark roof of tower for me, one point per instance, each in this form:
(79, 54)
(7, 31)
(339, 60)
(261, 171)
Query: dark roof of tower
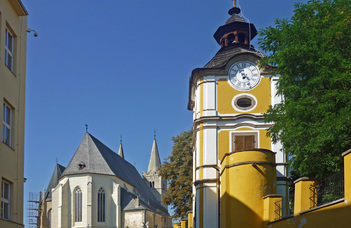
(59, 169)
(93, 157)
(235, 18)
(225, 54)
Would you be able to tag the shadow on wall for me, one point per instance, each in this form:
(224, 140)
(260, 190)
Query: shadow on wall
(238, 214)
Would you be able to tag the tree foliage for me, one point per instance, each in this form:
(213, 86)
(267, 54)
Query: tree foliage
(177, 170)
(312, 53)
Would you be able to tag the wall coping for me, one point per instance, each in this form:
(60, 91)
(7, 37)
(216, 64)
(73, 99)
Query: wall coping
(272, 196)
(304, 179)
(322, 206)
(346, 152)
(249, 150)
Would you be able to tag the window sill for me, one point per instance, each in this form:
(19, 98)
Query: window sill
(13, 73)
(8, 146)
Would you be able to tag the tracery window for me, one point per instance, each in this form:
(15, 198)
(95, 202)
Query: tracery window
(101, 205)
(49, 218)
(77, 205)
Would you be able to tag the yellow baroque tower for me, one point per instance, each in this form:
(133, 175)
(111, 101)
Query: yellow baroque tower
(235, 164)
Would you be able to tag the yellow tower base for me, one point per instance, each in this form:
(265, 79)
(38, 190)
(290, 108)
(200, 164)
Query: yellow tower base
(246, 177)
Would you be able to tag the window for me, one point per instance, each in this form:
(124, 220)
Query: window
(5, 200)
(77, 205)
(244, 141)
(49, 218)
(101, 205)
(6, 126)
(9, 40)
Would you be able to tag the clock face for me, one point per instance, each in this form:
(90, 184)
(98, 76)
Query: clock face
(244, 75)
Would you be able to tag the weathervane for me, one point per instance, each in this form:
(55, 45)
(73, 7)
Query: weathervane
(121, 139)
(86, 128)
(154, 133)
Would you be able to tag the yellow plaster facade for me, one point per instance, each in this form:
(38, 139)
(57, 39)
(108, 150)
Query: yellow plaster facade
(13, 45)
(226, 93)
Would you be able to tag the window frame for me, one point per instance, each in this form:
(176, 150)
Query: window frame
(7, 124)
(9, 51)
(5, 200)
(78, 204)
(244, 133)
(101, 210)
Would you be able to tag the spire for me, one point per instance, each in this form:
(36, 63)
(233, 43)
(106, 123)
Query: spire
(155, 162)
(120, 151)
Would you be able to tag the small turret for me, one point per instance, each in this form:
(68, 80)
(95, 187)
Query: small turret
(120, 151)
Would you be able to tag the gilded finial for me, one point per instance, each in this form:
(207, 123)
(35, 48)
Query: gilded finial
(234, 3)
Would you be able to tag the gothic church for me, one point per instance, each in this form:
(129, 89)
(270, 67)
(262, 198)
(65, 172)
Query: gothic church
(99, 188)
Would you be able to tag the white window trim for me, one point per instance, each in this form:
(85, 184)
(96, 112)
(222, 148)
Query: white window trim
(9, 52)
(244, 95)
(5, 200)
(232, 133)
(6, 124)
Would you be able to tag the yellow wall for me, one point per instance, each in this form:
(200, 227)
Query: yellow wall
(12, 92)
(336, 216)
(226, 94)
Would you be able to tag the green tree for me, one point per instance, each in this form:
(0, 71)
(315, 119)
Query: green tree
(312, 53)
(178, 171)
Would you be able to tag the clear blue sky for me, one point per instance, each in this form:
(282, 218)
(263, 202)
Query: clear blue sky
(120, 66)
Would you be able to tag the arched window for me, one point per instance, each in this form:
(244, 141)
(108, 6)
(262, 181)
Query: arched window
(49, 218)
(101, 205)
(77, 205)
(230, 39)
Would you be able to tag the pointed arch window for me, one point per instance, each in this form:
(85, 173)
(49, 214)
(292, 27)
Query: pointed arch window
(77, 205)
(49, 218)
(101, 205)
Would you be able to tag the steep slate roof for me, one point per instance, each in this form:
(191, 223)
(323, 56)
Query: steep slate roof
(129, 202)
(96, 158)
(155, 162)
(54, 180)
